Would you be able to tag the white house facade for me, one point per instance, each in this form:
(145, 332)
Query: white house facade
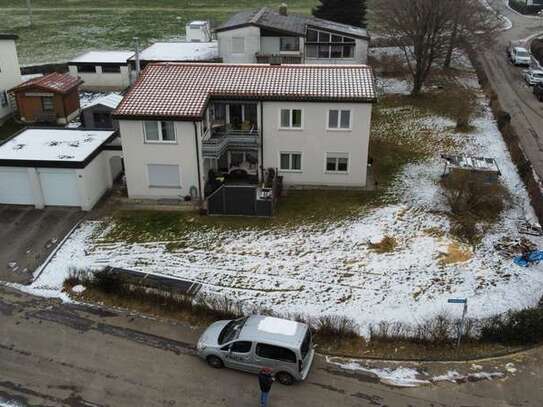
(102, 70)
(267, 36)
(10, 73)
(185, 125)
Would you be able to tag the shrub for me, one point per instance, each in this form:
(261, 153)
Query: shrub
(336, 327)
(386, 245)
(524, 327)
(107, 281)
(217, 307)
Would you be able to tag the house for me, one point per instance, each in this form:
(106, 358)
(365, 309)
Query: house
(175, 52)
(97, 114)
(532, 2)
(268, 36)
(10, 74)
(198, 31)
(53, 98)
(182, 124)
(102, 70)
(58, 167)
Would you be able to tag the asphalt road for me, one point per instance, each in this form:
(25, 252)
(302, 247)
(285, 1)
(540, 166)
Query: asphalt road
(515, 96)
(70, 355)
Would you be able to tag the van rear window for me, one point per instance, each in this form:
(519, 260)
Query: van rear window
(306, 343)
(275, 352)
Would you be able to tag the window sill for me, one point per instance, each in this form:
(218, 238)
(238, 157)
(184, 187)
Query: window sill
(165, 187)
(159, 142)
(290, 129)
(337, 172)
(292, 171)
(340, 130)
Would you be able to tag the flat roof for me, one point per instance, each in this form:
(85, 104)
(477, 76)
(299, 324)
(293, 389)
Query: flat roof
(471, 163)
(180, 52)
(106, 57)
(36, 146)
(182, 91)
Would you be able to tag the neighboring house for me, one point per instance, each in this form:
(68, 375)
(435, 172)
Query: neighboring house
(267, 36)
(58, 167)
(175, 52)
(53, 98)
(102, 70)
(97, 115)
(310, 123)
(533, 2)
(10, 73)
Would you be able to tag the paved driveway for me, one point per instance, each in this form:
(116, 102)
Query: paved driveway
(28, 235)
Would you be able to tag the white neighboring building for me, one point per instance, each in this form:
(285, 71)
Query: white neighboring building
(102, 70)
(310, 123)
(10, 73)
(198, 31)
(58, 167)
(268, 36)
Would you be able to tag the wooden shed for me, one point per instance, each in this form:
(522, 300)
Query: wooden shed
(53, 98)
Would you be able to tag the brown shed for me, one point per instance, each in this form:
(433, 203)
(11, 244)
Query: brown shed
(53, 98)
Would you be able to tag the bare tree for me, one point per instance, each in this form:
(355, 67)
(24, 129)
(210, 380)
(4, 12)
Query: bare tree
(428, 31)
(474, 23)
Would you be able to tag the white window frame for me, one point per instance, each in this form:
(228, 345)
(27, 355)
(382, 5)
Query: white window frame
(242, 52)
(150, 185)
(290, 119)
(337, 172)
(339, 128)
(290, 153)
(160, 135)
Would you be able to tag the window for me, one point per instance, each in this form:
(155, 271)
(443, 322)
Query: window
(289, 44)
(164, 176)
(86, 68)
(348, 51)
(337, 162)
(312, 36)
(312, 51)
(111, 69)
(339, 119)
(275, 352)
(241, 347)
(238, 45)
(291, 118)
(102, 120)
(336, 51)
(159, 132)
(324, 45)
(3, 98)
(290, 161)
(47, 103)
(324, 37)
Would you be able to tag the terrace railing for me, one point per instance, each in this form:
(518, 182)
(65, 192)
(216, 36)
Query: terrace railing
(215, 143)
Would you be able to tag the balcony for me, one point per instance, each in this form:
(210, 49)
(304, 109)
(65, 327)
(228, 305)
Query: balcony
(279, 58)
(216, 142)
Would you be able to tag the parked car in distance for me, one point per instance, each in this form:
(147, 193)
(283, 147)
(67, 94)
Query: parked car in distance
(519, 56)
(252, 343)
(538, 91)
(533, 76)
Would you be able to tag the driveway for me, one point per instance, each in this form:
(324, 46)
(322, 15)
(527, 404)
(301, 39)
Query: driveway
(28, 235)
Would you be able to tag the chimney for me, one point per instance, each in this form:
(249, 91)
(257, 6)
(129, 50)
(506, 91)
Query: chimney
(283, 9)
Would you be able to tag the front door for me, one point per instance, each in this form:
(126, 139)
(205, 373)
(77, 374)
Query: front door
(238, 355)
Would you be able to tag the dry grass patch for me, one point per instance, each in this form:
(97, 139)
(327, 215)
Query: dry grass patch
(387, 245)
(456, 253)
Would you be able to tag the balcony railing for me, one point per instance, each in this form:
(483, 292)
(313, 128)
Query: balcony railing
(215, 143)
(279, 58)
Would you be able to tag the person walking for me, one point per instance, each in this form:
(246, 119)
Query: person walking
(265, 380)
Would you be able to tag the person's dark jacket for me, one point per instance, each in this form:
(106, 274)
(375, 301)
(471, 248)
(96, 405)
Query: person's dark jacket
(265, 380)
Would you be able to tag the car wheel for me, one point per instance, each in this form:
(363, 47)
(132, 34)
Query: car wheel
(284, 378)
(215, 362)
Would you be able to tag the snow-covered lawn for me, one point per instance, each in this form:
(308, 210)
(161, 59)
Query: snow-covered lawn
(330, 268)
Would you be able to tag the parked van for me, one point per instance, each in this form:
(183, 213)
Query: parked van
(533, 76)
(255, 342)
(519, 56)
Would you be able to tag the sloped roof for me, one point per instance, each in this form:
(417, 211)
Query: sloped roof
(112, 100)
(182, 91)
(53, 82)
(8, 36)
(292, 23)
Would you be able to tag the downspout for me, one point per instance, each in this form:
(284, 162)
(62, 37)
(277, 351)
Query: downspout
(198, 162)
(262, 142)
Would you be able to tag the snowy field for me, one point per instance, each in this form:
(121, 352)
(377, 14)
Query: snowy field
(331, 269)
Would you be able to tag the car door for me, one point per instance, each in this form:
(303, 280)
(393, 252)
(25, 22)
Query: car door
(238, 355)
(275, 357)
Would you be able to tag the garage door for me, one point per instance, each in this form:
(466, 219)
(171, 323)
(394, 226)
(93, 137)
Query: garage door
(15, 187)
(59, 187)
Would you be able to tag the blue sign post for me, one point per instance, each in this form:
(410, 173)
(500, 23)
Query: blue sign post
(464, 312)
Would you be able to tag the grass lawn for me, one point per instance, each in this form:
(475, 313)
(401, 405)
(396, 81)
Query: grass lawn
(9, 128)
(64, 28)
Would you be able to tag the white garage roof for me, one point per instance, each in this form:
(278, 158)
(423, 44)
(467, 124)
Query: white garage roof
(104, 57)
(180, 51)
(60, 147)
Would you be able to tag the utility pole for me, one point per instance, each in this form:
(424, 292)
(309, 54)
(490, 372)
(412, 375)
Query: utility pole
(29, 7)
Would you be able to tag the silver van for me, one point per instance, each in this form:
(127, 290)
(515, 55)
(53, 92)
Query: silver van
(255, 342)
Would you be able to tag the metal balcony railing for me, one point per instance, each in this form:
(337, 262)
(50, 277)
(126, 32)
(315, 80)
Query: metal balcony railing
(215, 143)
(279, 58)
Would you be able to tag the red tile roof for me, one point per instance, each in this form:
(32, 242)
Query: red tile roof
(182, 91)
(53, 82)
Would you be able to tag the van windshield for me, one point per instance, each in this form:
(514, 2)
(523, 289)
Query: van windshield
(231, 331)
(306, 344)
(522, 53)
